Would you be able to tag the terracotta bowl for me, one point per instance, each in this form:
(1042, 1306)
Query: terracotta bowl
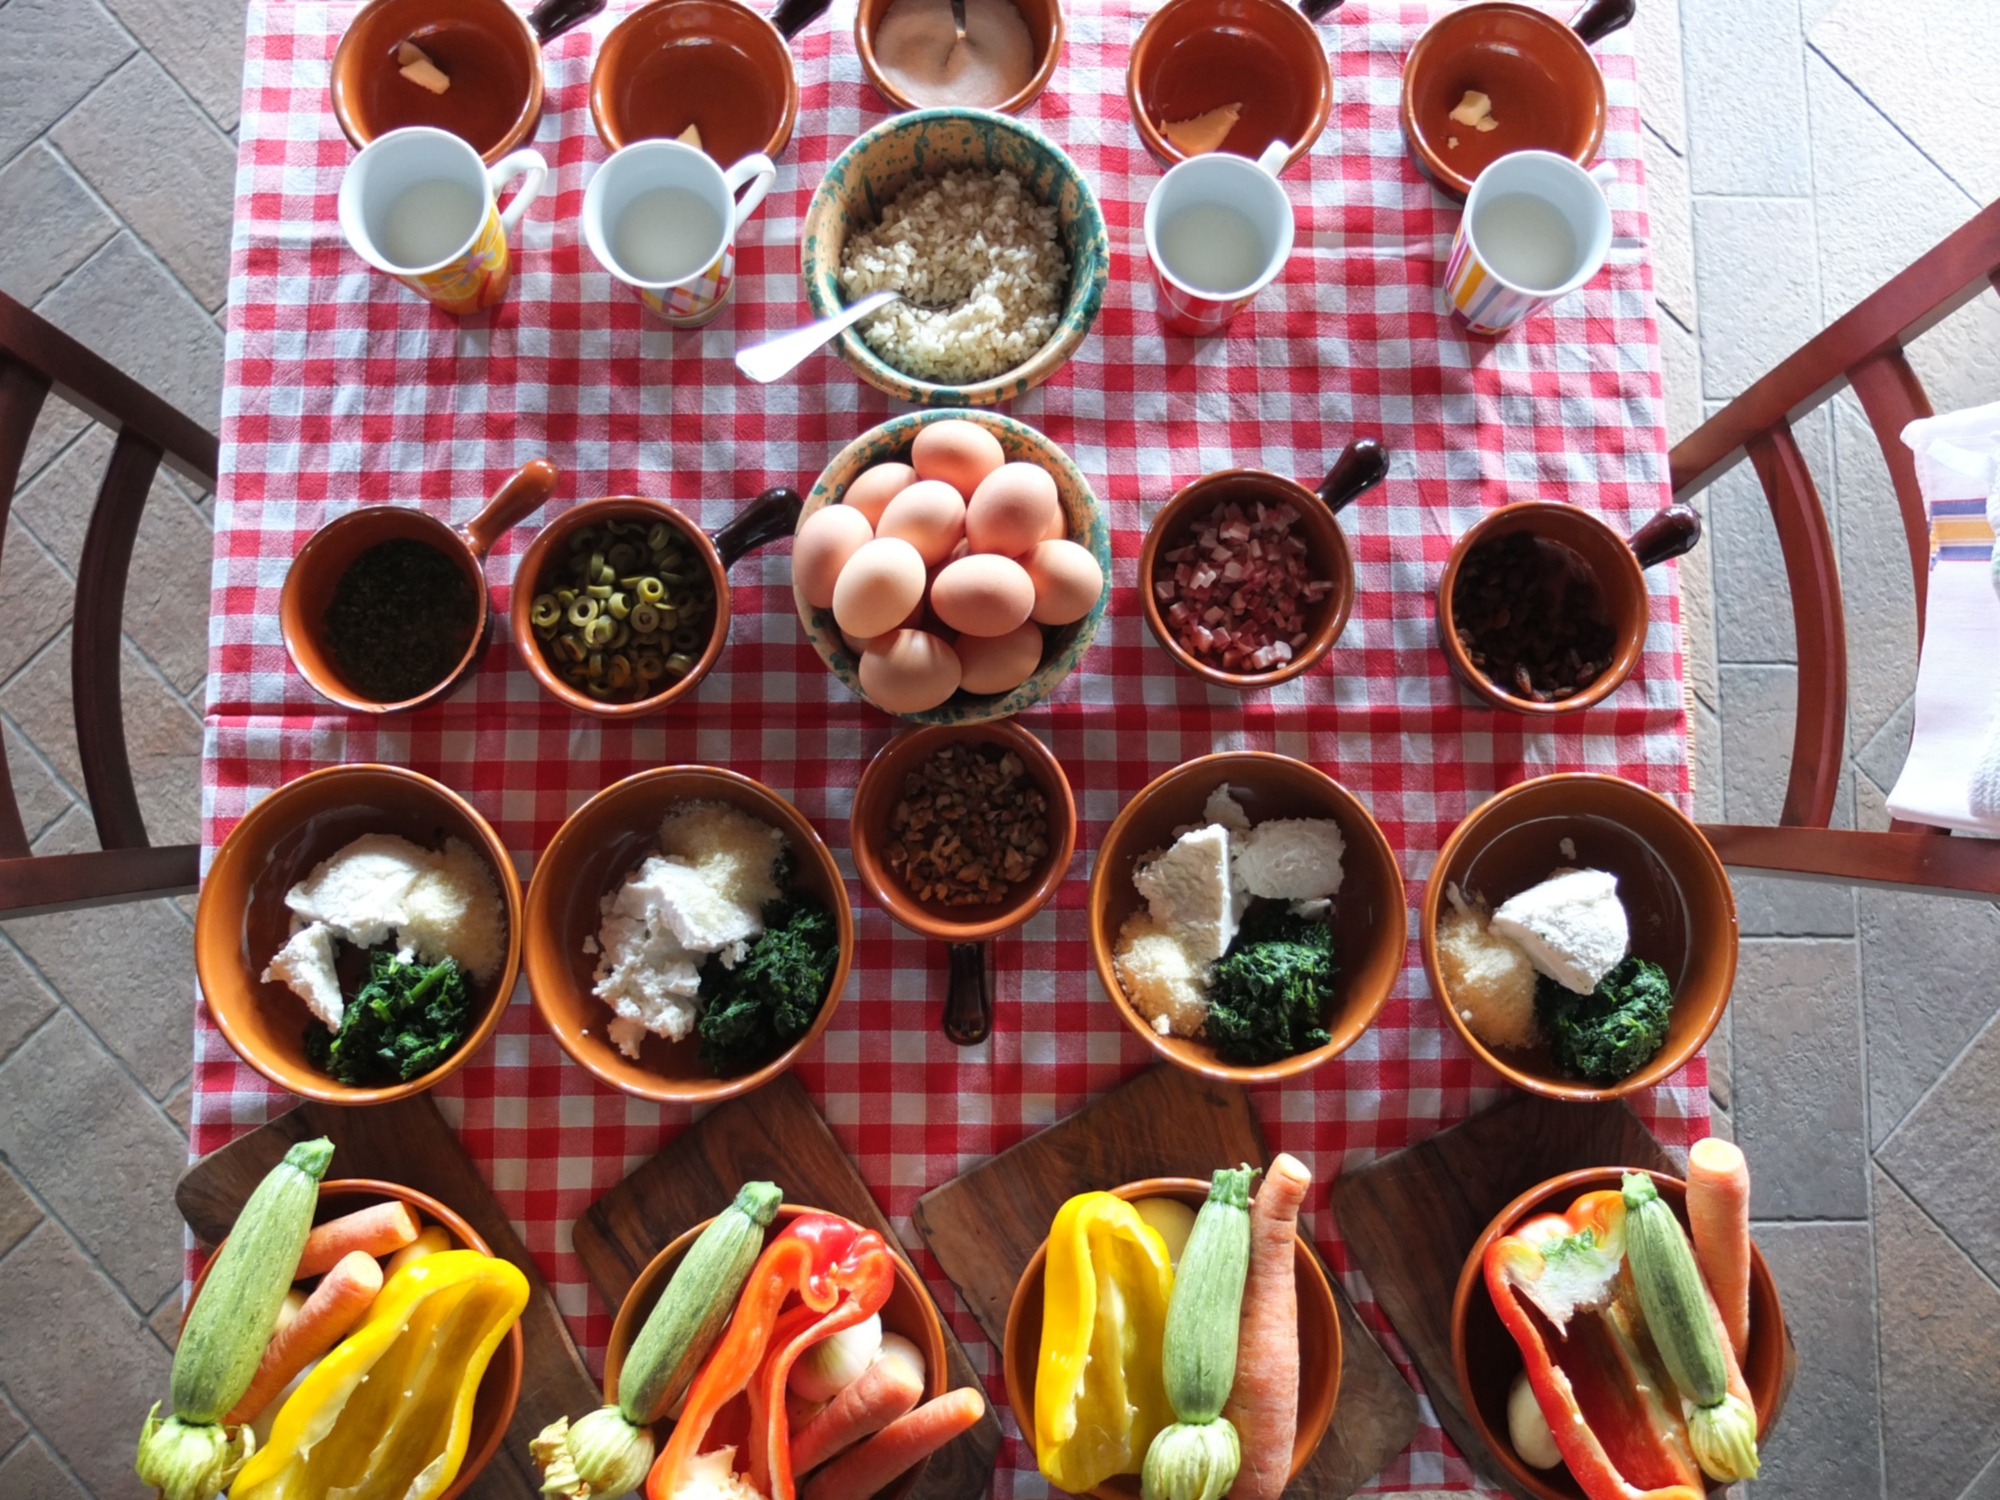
(715, 64)
(968, 1013)
(1087, 526)
(1615, 564)
(1045, 26)
(909, 1311)
(590, 856)
(500, 1386)
(1196, 55)
(241, 918)
(1676, 895)
(770, 516)
(1360, 467)
(321, 563)
(1368, 914)
(1319, 1339)
(882, 162)
(1487, 1359)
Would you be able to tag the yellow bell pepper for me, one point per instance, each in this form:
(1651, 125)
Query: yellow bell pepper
(386, 1414)
(1099, 1396)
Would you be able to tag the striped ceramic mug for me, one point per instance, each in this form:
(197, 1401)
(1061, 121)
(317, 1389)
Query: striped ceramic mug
(1535, 228)
(662, 217)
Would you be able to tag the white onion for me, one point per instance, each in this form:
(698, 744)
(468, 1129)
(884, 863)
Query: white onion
(895, 1346)
(836, 1361)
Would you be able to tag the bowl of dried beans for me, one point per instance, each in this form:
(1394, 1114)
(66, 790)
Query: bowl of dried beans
(1245, 577)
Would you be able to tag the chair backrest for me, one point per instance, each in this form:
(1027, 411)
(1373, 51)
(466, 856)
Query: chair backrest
(36, 358)
(1864, 351)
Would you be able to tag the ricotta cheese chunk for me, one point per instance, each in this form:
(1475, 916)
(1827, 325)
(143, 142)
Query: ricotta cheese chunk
(305, 964)
(1290, 859)
(1188, 891)
(1572, 927)
(360, 891)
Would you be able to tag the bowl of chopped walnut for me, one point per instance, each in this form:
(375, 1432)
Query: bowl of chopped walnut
(960, 833)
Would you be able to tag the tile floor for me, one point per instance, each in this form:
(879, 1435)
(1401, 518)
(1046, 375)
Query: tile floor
(1799, 151)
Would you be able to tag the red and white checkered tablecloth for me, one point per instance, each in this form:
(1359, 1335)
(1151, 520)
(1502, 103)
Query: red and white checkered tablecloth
(343, 389)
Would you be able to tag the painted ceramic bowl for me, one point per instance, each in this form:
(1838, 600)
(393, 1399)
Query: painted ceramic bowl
(1087, 526)
(882, 162)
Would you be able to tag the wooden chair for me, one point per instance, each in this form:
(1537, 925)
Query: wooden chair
(36, 357)
(1863, 350)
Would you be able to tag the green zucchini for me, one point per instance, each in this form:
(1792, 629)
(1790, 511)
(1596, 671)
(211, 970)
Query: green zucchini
(685, 1323)
(232, 1320)
(1198, 1351)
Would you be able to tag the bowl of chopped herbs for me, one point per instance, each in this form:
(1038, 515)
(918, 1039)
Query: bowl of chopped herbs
(687, 934)
(358, 934)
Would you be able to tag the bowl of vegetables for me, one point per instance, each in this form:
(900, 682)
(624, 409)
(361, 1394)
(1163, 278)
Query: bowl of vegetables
(358, 934)
(1580, 934)
(688, 934)
(1278, 1399)
(1306, 969)
(1663, 1290)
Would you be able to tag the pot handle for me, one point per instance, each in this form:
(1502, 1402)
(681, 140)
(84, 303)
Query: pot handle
(552, 18)
(510, 506)
(773, 514)
(1319, 10)
(1672, 533)
(1362, 465)
(968, 1003)
(1600, 18)
(793, 16)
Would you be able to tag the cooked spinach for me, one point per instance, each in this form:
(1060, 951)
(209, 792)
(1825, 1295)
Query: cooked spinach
(1613, 1031)
(1271, 991)
(405, 1020)
(770, 999)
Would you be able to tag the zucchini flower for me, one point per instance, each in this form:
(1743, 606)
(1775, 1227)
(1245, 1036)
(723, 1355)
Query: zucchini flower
(598, 1457)
(191, 1460)
(1192, 1461)
(1724, 1439)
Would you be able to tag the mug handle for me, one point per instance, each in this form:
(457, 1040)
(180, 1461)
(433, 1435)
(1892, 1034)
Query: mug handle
(1362, 465)
(1672, 533)
(1600, 18)
(772, 515)
(515, 164)
(510, 505)
(758, 170)
(1272, 161)
(552, 18)
(968, 1002)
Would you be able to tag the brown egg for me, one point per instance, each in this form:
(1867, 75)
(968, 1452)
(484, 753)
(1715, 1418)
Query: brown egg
(873, 488)
(908, 671)
(983, 594)
(826, 540)
(960, 453)
(999, 663)
(920, 617)
(1067, 581)
(1012, 509)
(1058, 526)
(929, 515)
(880, 585)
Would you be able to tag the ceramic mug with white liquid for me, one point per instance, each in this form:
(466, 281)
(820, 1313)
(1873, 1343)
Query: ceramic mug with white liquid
(662, 218)
(419, 204)
(1536, 227)
(1218, 231)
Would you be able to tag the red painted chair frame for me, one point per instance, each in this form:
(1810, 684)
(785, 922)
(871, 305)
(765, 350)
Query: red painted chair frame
(1863, 350)
(36, 358)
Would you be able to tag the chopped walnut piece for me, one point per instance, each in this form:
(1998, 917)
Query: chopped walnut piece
(415, 65)
(971, 824)
(690, 137)
(1476, 110)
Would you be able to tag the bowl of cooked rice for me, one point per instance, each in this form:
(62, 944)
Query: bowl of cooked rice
(991, 233)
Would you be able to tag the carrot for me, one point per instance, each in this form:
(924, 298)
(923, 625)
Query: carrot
(335, 1306)
(380, 1230)
(1264, 1402)
(881, 1393)
(905, 1442)
(1718, 1205)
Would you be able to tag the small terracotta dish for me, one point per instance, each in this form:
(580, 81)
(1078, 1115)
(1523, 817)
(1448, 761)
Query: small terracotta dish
(1545, 89)
(1487, 1359)
(968, 1007)
(500, 1386)
(1676, 895)
(316, 572)
(1045, 25)
(1368, 919)
(1361, 466)
(771, 515)
(602, 842)
(1319, 1338)
(241, 919)
(1083, 516)
(882, 162)
(715, 64)
(1265, 56)
(490, 52)
(1615, 565)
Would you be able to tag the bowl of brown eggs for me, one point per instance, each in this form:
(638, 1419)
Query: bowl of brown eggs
(951, 567)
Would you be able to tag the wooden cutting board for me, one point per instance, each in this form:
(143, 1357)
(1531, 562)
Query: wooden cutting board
(1411, 1218)
(984, 1226)
(774, 1134)
(409, 1143)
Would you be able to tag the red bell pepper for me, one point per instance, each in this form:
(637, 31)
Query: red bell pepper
(1557, 1285)
(840, 1274)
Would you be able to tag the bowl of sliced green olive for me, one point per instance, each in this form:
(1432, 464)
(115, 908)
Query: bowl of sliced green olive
(621, 605)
